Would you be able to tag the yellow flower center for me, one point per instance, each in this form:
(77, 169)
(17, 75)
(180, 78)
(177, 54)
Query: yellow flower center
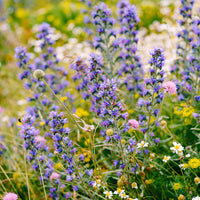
(108, 194)
(119, 190)
(176, 147)
(185, 165)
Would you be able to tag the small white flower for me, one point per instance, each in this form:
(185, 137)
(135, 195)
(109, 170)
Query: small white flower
(196, 198)
(134, 185)
(118, 191)
(183, 166)
(123, 195)
(142, 144)
(188, 155)
(97, 183)
(166, 158)
(108, 194)
(177, 148)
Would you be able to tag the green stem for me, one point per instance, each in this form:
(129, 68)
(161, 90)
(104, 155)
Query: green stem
(42, 181)
(75, 167)
(65, 106)
(26, 176)
(8, 179)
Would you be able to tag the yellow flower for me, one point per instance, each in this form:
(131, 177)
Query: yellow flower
(42, 123)
(57, 22)
(63, 98)
(123, 141)
(58, 166)
(197, 180)
(183, 104)
(109, 132)
(87, 156)
(50, 18)
(177, 111)
(177, 186)
(187, 112)
(130, 111)
(152, 120)
(21, 13)
(136, 95)
(65, 5)
(15, 175)
(80, 112)
(194, 163)
(181, 197)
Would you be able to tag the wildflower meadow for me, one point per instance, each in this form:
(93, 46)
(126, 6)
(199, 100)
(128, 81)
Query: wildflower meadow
(100, 100)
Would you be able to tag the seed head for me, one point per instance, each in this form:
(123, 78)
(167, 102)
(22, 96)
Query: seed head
(38, 74)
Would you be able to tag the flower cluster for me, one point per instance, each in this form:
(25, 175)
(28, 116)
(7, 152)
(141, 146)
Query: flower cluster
(105, 33)
(152, 94)
(46, 61)
(103, 91)
(81, 69)
(33, 142)
(129, 61)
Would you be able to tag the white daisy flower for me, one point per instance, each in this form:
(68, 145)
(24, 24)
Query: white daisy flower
(142, 144)
(196, 198)
(118, 191)
(123, 195)
(134, 185)
(188, 155)
(166, 158)
(183, 166)
(108, 194)
(177, 148)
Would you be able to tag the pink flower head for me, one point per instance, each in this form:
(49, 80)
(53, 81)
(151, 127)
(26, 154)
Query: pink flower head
(10, 196)
(1, 109)
(40, 139)
(169, 87)
(54, 175)
(134, 123)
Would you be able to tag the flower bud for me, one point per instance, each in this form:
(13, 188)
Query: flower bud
(181, 197)
(197, 180)
(163, 124)
(38, 74)
(147, 182)
(109, 132)
(123, 141)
